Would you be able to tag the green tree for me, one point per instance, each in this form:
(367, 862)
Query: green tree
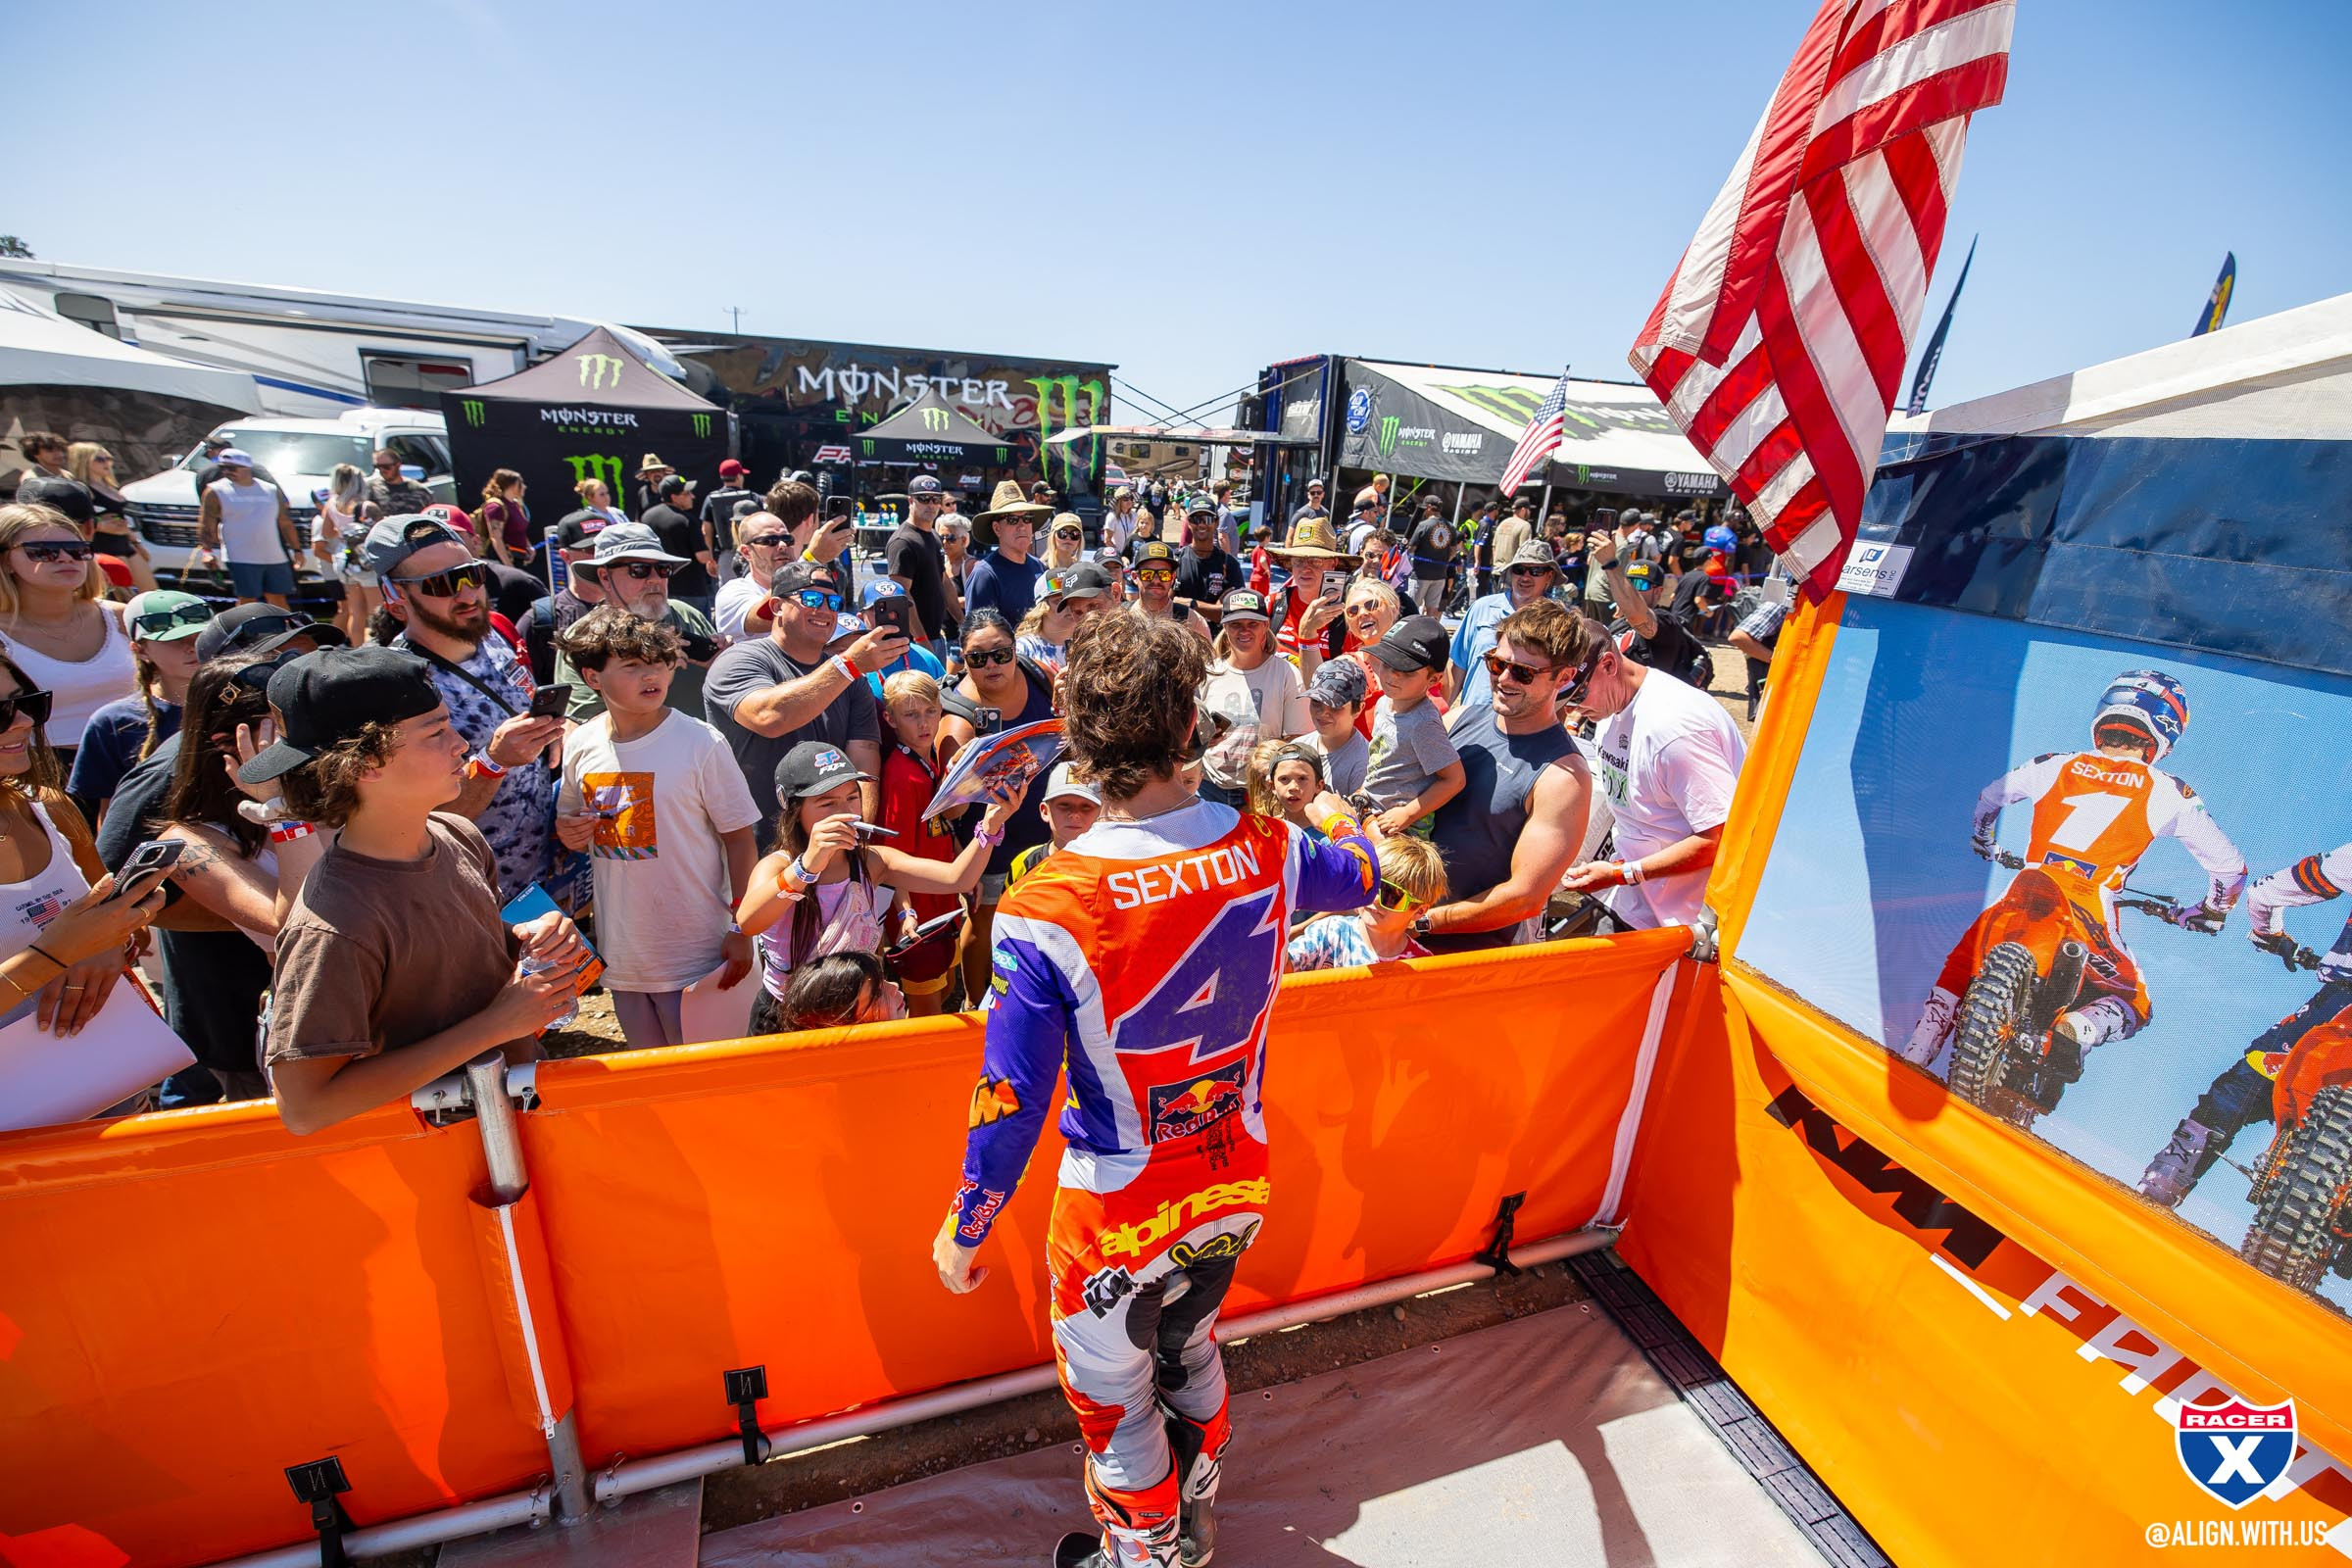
(10, 245)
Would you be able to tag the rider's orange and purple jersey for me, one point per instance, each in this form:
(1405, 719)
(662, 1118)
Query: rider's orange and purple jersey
(2095, 816)
(1146, 954)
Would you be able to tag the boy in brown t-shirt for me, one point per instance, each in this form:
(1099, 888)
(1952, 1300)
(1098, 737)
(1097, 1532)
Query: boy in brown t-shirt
(393, 963)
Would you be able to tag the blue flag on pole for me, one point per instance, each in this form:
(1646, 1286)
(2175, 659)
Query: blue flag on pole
(2217, 304)
(1935, 349)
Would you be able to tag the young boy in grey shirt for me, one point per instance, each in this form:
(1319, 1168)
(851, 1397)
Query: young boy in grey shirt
(1415, 769)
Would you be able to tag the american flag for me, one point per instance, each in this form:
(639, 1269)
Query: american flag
(1780, 341)
(1541, 439)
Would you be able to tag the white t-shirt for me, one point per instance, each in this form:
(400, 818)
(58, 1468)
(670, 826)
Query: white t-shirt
(737, 598)
(1268, 703)
(662, 895)
(1670, 762)
(249, 533)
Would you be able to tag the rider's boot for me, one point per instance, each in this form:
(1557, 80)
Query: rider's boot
(2172, 1174)
(1200, 1464)
(1139, 1527)
(2079, 1029)
(1934, 1027)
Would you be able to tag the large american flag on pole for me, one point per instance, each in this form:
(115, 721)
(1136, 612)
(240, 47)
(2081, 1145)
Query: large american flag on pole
(1780, 341)
(1541, 439)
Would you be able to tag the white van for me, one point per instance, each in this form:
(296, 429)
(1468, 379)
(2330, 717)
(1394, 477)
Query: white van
(299, 456)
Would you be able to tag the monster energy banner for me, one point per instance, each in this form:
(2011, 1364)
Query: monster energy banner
(1427, 423)
(593, 412)
(930, 430)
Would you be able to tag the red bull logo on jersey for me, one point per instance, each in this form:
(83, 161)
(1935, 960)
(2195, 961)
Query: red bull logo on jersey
(1180, 1111)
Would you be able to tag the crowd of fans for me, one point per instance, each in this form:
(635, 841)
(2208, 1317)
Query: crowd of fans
(714, 737)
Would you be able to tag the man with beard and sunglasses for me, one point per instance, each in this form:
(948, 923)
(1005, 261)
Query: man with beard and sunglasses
(440, 595)
(635, 572)
(1519, 818)
(1670, 759)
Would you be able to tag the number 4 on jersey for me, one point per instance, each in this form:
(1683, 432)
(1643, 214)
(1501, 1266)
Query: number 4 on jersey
(1196, 1003)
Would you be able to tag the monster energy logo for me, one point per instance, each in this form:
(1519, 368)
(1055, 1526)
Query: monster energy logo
(597, 465)
(702, 426)
(869, 447)
(935, 420)
(474, 411)
(598, 370)
(1386, 441)
(1070, 416)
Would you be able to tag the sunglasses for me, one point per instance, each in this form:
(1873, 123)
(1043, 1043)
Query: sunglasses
(1067, 533)
(765, 541)
(32, 704)
(447, 584)
(1530, 572)
(49, 551)
(155, 623)
(1573, 693)
(642, 571)
(816, 598)
(981, 659)
(1498, 666)
(387, 467)
(1391, 897)
(1155, 574)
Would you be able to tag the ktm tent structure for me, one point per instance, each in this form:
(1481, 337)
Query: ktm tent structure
(593, 412)
(1459, 427)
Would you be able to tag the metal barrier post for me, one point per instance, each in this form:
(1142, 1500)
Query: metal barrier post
(502, 1153)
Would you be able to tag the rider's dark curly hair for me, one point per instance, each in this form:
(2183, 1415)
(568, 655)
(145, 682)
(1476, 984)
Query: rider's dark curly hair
(1128, 691)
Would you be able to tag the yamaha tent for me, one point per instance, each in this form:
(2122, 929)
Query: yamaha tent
(594, 411)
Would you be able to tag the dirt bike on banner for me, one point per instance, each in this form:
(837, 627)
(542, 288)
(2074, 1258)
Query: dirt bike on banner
(2041, 978)
(2296, 1074)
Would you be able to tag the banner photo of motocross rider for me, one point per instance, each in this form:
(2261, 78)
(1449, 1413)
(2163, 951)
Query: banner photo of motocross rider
(2095, 888)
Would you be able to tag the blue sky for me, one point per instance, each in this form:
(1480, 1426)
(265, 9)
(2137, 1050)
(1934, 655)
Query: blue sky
(1189, 192)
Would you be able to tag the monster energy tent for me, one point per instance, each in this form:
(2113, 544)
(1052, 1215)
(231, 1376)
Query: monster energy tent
(593, 412)
(1459, 427)
(930, 429)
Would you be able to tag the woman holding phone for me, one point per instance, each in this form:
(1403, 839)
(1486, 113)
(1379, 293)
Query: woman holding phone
(64, 938)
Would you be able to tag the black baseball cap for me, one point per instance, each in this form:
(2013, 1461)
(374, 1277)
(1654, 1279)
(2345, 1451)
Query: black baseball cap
(924, 484)
(813, 767)
(1156, 552)
(1366, 504)
(1084, 580)
(332, 695)
(794, 575)
(1244, 604)
(261, 629)
(1417, 642)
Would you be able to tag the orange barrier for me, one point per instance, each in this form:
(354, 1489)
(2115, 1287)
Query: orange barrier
(197, 1300)
(775, 1203)
(1973, 1339)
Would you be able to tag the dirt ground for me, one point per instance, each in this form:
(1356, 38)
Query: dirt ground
(859, 1465)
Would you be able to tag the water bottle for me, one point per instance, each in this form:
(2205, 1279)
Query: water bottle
(572, 1013)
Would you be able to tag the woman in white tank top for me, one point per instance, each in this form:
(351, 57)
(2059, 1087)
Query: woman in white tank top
(345, 515)
(68, 643)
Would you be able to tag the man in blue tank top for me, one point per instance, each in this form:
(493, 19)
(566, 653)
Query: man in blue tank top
(1519, 818)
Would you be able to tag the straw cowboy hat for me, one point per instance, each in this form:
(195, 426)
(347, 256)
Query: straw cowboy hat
(1313, 536)
(651, 464)
(1011, 501)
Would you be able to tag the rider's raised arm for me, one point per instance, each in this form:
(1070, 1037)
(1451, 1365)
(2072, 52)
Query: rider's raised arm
(1031, 1011)
(1335, 874)
(2314, 879)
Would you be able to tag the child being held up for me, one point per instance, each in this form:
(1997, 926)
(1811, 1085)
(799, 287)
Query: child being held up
(1284, 777)
(1414, 767)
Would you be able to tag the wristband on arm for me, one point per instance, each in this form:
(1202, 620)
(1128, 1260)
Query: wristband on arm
(1629, 874)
